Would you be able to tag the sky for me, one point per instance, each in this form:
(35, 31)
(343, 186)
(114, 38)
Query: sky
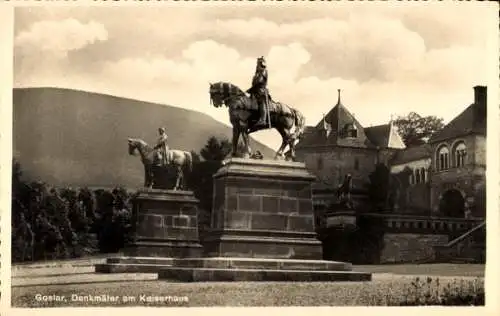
(386, 59)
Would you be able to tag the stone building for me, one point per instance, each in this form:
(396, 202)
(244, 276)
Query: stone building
(340, 145)
(410, 170)
(458, 176)
(445, 177)
(435, 209)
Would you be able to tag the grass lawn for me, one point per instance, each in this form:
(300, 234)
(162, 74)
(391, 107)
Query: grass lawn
(378, 292)
(444, 269)
(390, 284)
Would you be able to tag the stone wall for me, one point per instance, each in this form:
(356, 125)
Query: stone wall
(468, 181)
(263, 209)
(410, 247)
(165, 224)
(263, 205)
(180, 224)
(413, 199)
(330, 165)
(480, 150)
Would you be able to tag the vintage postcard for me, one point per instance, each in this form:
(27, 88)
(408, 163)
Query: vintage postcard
(249, 154)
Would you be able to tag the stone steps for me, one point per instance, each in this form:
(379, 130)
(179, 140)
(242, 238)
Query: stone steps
(262, 263)
(144, 264)
(128, 268)
(142, 260)
(234, 269)
(224, 275)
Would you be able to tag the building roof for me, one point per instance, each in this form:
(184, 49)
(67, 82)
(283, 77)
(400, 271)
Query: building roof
(329, 131)
(385, 136)
(471, 121)
(410, 154)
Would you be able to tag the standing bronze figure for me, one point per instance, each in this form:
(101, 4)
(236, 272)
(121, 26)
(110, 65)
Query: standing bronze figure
(344, 192)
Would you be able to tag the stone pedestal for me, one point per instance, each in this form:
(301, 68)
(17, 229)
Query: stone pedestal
(166, 227)
(262, 230)
(263, 209)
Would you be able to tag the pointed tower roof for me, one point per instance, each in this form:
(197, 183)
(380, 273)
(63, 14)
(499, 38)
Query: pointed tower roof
(339, 120)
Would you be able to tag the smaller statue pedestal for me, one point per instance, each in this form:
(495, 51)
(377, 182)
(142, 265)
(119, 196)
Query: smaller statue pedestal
(341, 217)
(166, 227)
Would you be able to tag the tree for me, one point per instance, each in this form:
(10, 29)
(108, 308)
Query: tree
(201, 178)
(378, 187)
(416, 130)
(215, 149)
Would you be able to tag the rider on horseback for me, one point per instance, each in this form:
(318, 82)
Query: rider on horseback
(162, 147)
(259, 90)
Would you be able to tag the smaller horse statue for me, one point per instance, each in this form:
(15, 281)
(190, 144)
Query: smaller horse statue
(344, 192)
(244, 116)
(179, 159)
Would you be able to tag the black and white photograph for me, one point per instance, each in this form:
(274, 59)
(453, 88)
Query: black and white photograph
(252, 154)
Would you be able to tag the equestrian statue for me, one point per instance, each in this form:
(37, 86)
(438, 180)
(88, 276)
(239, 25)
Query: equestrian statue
(257, 111)
(159, 159)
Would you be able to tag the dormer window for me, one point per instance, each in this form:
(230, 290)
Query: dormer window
(350, 130)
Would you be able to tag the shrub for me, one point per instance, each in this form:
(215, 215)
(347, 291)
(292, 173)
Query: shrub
(61, 223)
(431, 292)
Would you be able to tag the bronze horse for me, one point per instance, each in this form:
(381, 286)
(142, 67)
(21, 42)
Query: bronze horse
(244, 113)
(180, 159)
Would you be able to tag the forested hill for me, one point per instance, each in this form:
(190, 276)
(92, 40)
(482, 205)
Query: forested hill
(77, 138)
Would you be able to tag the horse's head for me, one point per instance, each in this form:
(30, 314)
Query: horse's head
(133, 145)
(220, 92)
(216, 94)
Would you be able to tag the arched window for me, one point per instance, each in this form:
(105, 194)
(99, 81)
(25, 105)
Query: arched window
(442, 159)
(417, 176)
(459, 154)
(412, 177)
(422, 175)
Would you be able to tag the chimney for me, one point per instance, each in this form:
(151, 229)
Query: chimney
(480, 108)
(480, 95)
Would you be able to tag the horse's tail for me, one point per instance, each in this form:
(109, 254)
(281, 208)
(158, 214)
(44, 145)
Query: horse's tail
(300, 124)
